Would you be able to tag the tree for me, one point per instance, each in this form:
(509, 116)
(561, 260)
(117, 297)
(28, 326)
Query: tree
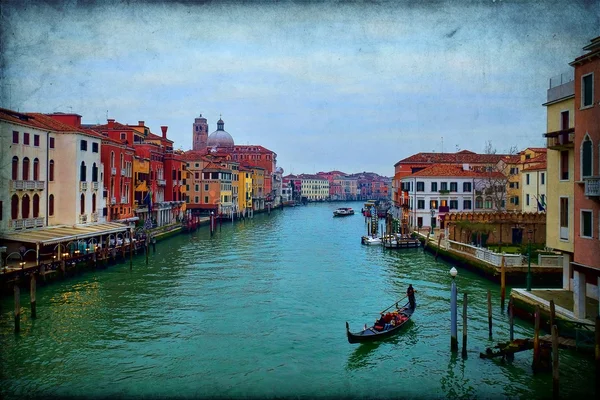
(492, 185)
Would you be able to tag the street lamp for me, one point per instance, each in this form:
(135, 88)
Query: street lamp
(529, 234)
(432, 216)
(453, 312)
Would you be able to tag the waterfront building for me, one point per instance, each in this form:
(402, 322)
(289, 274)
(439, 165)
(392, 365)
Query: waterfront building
(511, 167)
(442, 188)
(533, 182)
(348, 187)
(586, 263)
(419, 161)
(314, 187)
(560, 123)
(294, 183)
(258, 186)
(26, 170)
(245, 190)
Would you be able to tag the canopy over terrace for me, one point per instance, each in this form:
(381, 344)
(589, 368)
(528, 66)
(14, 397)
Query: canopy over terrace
(62, 233)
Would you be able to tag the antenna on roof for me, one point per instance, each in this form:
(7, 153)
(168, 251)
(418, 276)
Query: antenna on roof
(442, 145)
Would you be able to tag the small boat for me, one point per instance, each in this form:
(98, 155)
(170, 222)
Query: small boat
(343, 211)
(401, 242)
(371, 240)
(400, 317)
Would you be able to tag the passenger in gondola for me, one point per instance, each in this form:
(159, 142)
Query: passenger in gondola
(380, 324)
(410, 292)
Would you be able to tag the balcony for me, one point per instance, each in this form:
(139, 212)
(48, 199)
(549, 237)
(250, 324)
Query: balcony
(123, 199)
(161, 182)
(592, 186)
(27, 185)
(113, 200)
(27, 223)
(94, 217)
(83, 219)
(94, 186)
(113, 171)
(123, 172)
(83, 186)
(560, 140)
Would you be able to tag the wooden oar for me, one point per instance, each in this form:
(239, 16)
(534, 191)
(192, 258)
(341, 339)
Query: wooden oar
(396, 302)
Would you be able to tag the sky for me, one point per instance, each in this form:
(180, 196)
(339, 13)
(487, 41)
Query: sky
(349, 86)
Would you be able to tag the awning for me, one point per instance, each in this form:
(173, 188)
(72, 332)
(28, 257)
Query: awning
(130, 219)
(63, 233)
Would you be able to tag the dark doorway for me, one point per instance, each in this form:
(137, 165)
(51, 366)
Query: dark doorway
(517, 235)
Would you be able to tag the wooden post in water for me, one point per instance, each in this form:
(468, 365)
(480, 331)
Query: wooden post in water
(489, 307)
(598, 353)
(426, 241)
(511, 320)
(147, 248)
(32, 296)
(438, 247)
(131, 250)
(502, 283)
(536, 340)
(552, 314)
(17, 309)
(464, 344)
(555, 362)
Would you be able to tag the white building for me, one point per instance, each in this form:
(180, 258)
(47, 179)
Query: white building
(23, 172)
(533, 187)
(314, 188)
(443, 188)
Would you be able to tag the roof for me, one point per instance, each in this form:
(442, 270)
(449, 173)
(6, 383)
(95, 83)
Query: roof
(450, 170)
(536, 164)
(251, 148)
(63, 233)
(512, 159)
(58, 126)
(462, 157)
(21, 119)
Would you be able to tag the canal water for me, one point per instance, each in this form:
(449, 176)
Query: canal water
(259, 310)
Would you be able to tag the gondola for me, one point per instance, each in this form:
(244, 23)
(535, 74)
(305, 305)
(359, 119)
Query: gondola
(372, 333)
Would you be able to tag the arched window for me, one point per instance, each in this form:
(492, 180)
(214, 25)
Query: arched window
(479, 202)
(36, 169)
(15, 168)
(25, 206)
(586, 157)
(112, 159)
(94, 173)
(51, 205)
(36, 206)
(26, 169)
(82, 171)
(488, 202)
(82, 204)
(51, 171)
(14, 207)
(94, 202)
(122, 165)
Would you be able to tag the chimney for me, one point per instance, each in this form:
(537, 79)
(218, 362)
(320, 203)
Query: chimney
(111, 123)
(164, 131)
(140, 123)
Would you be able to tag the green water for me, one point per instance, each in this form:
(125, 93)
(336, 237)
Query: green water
(259, 310)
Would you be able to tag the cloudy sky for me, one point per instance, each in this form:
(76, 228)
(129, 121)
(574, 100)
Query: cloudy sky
(353, 87)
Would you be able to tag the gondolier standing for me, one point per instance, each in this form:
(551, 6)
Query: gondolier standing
(410, 292)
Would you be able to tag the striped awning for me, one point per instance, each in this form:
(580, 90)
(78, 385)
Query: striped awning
(63, 233)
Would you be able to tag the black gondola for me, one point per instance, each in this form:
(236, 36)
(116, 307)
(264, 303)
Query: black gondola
(372, 333)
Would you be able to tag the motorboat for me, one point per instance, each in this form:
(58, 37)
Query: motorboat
(343, 211)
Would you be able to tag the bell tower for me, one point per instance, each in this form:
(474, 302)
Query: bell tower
(200, 132)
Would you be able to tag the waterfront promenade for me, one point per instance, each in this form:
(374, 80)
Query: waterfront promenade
(259, 310)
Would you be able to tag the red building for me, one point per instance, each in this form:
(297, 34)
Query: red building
(586, 264)
(258, 156)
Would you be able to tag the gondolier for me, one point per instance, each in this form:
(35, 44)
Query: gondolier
(410, 293)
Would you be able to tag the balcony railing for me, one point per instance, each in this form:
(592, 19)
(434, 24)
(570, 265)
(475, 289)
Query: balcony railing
(113, 171)
(560, 139)
(592, 186)
(94, 185)
(27, 223)
(113, 200)
(83, 186)
(27, 185)
(83, 218)
(123, 199)
(94, 217)
(161, 182)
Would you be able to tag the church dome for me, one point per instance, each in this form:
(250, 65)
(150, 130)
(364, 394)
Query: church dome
(220, 138)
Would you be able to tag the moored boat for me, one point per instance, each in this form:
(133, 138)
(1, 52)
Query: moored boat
(396, 320)
(370, 240)
(343, 211)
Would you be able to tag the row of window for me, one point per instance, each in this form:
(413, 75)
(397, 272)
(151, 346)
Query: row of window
(466, 186)
(542, 179)
(30, 207)
(480, 203)
(26, 139)
(26, 169)
(83, 146)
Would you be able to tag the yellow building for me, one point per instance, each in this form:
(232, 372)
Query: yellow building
(258, 187)
(511, 167)
(560, 111)
(141, 174)
(245, 189)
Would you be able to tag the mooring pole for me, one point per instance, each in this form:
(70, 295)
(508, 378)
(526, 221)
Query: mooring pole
(511, 320)
(555, 363)
(32, 296)
(464, 344)
(598, 352)
(453, 312)
(552, 314)
(489, 307)
(502, 283)
(536, 340)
